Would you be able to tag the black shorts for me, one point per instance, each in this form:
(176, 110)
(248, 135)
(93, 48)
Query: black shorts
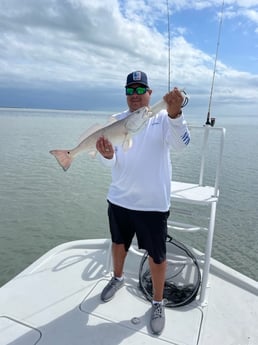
(150, 228)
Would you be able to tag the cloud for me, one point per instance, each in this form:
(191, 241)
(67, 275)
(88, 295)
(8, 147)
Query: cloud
(64, 40)
(82, 47)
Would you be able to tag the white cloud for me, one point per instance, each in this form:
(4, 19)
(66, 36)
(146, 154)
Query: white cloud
(94, 43)
(78, 37)
(251, 15)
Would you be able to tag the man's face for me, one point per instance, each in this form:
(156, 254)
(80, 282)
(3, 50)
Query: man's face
(136, 101)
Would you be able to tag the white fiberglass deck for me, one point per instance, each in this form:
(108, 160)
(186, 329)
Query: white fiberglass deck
(56, 301)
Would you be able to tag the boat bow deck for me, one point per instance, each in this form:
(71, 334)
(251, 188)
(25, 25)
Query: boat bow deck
(56, 301)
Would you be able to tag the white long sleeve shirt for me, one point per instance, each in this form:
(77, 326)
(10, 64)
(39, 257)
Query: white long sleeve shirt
(141, 176)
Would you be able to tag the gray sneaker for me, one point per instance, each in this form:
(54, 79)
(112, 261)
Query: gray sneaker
(157, 321)
(111, 288)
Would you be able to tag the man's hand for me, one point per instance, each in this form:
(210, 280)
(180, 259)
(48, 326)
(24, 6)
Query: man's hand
(105, 148)
(174, 100)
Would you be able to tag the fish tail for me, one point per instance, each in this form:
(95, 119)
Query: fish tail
(63, 157)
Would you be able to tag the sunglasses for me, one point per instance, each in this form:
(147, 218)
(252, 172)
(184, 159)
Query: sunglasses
(140, 90)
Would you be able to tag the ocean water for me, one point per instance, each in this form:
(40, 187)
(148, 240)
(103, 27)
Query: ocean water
(42, 206)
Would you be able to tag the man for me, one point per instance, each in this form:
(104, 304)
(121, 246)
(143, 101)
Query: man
(139, 194)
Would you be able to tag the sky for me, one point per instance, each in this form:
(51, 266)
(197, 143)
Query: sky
(76, 54)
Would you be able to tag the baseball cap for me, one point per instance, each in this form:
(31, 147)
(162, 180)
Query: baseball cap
(138, 77)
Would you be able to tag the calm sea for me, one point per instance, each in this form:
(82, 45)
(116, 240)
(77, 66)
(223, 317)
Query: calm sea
(41, 206)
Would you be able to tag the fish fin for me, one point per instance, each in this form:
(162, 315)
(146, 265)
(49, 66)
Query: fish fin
(63, 157)
(92, 129)
(111, 119)
(92, 153)
(127, 143)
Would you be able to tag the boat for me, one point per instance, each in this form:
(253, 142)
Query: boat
(56, 300)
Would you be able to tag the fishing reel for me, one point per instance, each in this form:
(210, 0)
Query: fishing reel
(186, 98)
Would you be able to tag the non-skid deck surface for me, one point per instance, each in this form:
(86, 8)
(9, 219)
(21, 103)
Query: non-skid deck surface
(56, 301)
(131, 314)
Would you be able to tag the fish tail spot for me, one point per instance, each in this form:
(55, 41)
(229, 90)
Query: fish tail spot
(63, 158)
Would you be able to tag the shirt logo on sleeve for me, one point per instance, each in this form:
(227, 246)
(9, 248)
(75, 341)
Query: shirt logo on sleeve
(185, 137)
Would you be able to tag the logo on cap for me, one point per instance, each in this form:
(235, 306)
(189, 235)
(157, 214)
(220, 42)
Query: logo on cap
(137, 76)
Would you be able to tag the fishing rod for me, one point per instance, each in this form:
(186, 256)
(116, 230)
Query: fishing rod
(210, 121)
(169, 48)
(186, 99)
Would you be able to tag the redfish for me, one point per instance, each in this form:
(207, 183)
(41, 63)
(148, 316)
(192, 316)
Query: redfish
(118, 132)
